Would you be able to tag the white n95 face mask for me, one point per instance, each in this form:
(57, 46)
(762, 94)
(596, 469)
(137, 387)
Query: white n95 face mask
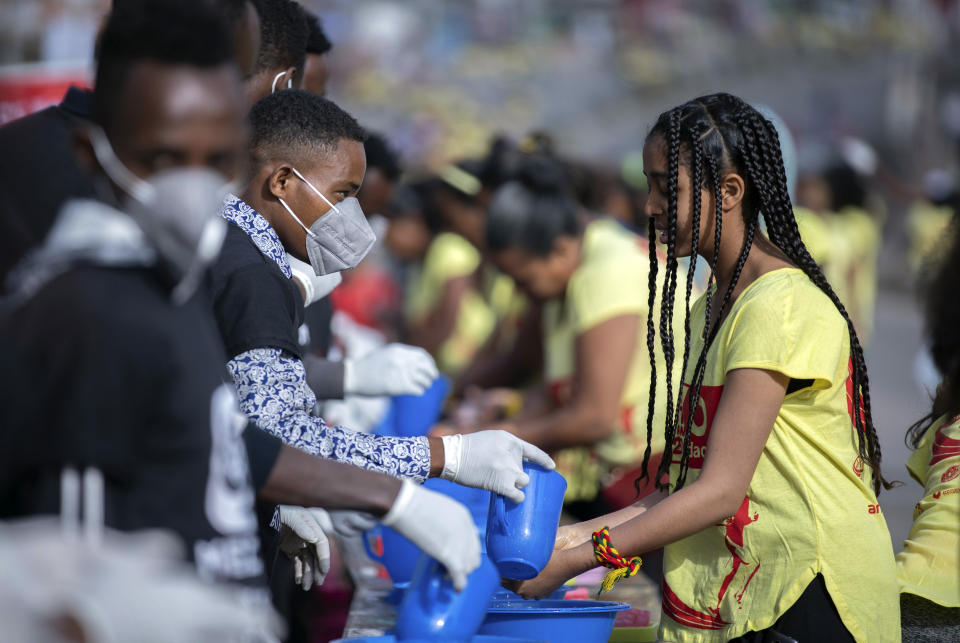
(178, 210)
(339, 239)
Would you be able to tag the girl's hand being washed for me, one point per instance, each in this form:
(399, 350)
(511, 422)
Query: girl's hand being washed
(563, 565)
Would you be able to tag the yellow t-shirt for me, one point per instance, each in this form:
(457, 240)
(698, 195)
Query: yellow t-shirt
(610, 281)
(927, 227)
(810, 506)
(815, 234)
(929, 565)
(451, 256)
(508, 304)
(863, 238)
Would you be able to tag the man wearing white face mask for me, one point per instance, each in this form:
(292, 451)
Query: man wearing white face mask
(308, 163)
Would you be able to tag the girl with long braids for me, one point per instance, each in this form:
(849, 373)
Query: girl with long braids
(770, 521)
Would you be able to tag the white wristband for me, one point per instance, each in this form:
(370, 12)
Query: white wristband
(408, 489)
(305, 284)
(452, 452)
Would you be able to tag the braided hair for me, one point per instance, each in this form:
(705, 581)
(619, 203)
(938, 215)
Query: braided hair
(712, 135)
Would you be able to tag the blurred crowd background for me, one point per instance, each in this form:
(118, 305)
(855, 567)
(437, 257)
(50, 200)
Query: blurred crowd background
(867, 90)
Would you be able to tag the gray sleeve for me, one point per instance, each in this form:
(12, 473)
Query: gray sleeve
(325, 378)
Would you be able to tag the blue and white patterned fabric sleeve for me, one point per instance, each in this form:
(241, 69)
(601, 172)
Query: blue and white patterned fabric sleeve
(273, 392)
(257, 228)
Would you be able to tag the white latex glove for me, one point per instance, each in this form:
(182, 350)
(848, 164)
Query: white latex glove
(491, 460)
(314, 287)
(394, 369)
(440, 526)
(302, 538)
(345, 524)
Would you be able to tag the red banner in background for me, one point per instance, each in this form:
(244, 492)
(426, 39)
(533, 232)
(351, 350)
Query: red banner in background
(25, 89)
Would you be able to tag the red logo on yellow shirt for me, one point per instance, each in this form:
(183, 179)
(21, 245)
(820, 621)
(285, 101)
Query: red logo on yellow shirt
(733, 528)
(944, 447)
(702, 421)
(858, 467)
(950, 473)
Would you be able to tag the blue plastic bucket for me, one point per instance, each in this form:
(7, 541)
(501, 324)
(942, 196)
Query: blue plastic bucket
(414, 415)
(557, 621)
(432, 610)
(398, 554)
(520, 537)
(476, 500)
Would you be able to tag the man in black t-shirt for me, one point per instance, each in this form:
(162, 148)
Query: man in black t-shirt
(38, 173)
(101, 369)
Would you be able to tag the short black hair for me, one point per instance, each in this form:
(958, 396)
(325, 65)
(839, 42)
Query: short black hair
(283, 35)
(234, 10)
(380, 156)
(295, 121)
(176, 32)
(317, 41)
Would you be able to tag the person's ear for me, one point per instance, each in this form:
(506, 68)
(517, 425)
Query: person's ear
(296, 79)
(733, 188)
(278, 182)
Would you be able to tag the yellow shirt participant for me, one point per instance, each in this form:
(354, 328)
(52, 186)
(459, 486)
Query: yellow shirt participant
(815, 232)
(506, 302)
(929, 565)
(451, 256)
(610, 281)
(810, 508)
(927, 226)
(863, 236)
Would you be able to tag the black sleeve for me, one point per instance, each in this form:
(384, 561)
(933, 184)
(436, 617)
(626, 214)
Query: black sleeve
(263, 450)
(324, 377)
(257, 308)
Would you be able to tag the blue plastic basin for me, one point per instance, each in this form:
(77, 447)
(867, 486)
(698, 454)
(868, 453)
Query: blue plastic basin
(557, 621)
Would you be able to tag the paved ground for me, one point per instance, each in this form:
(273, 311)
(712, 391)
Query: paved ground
(897, 401)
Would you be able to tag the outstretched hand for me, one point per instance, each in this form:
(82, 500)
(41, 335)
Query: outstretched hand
(558, 571)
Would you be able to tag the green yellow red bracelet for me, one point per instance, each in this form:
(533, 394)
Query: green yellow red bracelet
(607, 555)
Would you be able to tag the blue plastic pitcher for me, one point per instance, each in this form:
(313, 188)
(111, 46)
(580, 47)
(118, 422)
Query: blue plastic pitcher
(431, 610)
(399, 554)
(520, 537)
(476, 500)
(414, 415)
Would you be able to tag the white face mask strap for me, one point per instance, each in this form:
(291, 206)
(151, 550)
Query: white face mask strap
(115, 169)
(295, 217)
(318, 192)
(273, 85)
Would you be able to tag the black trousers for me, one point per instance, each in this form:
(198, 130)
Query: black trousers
(812, 619)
